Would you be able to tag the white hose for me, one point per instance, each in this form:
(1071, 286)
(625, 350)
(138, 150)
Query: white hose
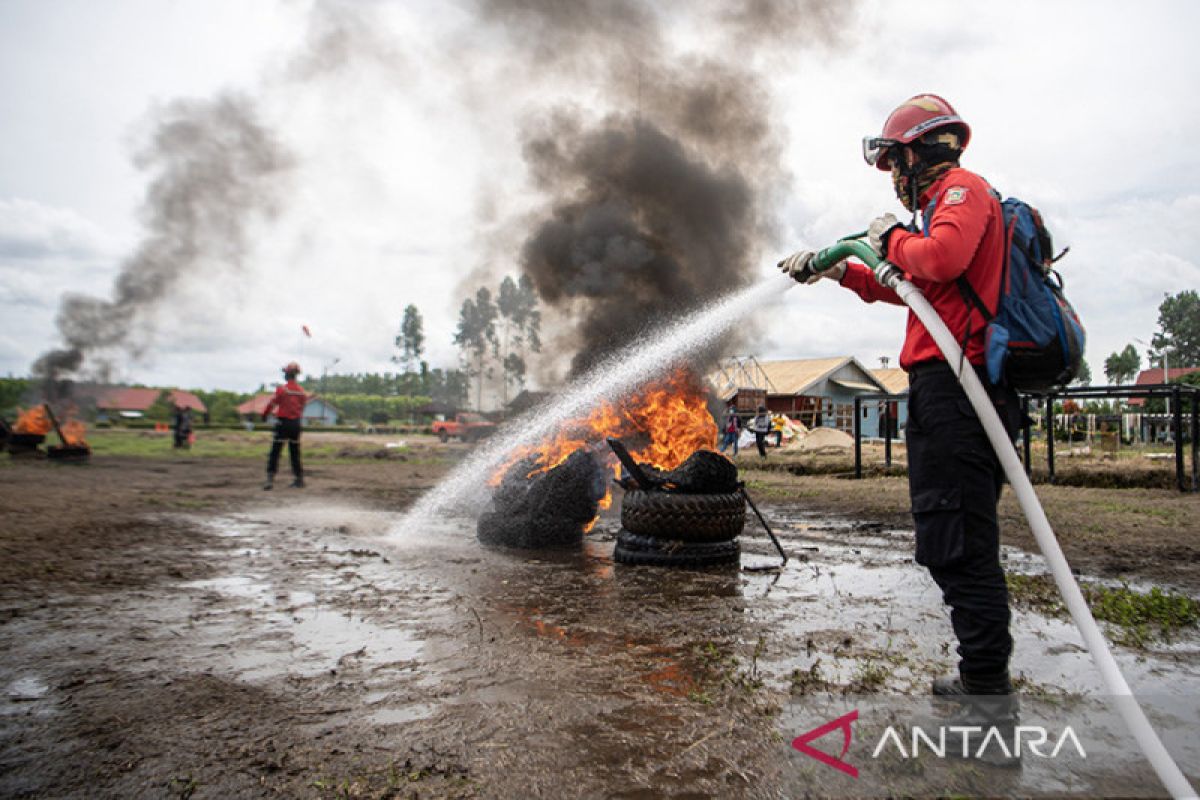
(1168, 771)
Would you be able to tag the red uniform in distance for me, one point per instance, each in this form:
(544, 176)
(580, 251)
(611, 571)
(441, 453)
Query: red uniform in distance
(290, 398)
(966, 237)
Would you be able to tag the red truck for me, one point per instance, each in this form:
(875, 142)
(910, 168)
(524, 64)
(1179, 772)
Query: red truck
(467, 427)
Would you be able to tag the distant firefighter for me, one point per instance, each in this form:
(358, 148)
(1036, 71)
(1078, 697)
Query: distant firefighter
(288, 405)
(183, 427)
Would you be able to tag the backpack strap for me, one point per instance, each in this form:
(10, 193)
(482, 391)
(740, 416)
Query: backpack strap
(970, 297)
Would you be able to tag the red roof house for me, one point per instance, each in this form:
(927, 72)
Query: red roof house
(1153, 377)
(138, 400)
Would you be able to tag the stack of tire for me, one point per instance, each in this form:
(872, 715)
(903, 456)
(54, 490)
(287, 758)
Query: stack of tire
(693, 521)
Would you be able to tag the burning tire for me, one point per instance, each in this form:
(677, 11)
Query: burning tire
(636, 549)
(533, 533)
(693, 518)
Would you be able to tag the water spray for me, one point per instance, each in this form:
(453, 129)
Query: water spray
(1131, 711)
(465, 488)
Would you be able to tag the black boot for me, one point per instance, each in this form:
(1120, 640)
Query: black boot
(270, 483)
(298, 483)
(985, 702)
(955, 686)
(991, 721)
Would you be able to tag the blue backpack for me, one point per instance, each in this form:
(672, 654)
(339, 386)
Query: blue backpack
(1034, 340)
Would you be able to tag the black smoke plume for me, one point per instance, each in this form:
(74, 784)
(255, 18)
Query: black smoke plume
(664, 201)
(215, 169)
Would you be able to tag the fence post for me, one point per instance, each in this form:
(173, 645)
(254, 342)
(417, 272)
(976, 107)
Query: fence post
(1025, 436)
(887, 432)
(1050, 435)
(857, 437)
(1177, 433)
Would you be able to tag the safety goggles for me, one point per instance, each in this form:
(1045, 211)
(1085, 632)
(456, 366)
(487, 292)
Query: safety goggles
(875, 148)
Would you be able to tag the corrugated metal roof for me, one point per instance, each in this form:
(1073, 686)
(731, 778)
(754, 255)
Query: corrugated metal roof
(894, 378)
(793, 376)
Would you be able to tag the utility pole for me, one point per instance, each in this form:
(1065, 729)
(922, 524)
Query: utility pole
(324, 401)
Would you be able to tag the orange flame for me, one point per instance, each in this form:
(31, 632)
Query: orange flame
(663, 423)
(74, 433)
(34, 421)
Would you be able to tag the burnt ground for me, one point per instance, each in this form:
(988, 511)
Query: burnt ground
(170, 630)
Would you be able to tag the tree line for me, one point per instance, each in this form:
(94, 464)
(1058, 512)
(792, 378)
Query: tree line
(1176, 343)
(496, 337)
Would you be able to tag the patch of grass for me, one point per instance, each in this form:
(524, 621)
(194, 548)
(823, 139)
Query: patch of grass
(868, 679)
(1138, 617)
(1146, 509)
(183, 787)
(809, 681)
(1143, 616)
(718, 671)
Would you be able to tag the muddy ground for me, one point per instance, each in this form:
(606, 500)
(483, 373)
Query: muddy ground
(167, 629)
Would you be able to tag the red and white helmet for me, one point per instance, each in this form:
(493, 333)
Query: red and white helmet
(291, 368)
(915, 118)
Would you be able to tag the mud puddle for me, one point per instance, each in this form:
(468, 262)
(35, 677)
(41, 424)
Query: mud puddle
(446, 634)
(548, 674)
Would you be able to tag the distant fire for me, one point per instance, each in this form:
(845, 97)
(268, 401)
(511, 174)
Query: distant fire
(74, 433)
(662, 424)
(37, 421)
(34, 421)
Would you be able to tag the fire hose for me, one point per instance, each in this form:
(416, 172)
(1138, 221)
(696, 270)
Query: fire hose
(1127, 705)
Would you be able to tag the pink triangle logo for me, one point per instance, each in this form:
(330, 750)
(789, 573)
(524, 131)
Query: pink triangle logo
(843, 722)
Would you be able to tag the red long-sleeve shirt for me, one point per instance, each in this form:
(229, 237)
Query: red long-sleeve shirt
(290, 398)
(966, 237)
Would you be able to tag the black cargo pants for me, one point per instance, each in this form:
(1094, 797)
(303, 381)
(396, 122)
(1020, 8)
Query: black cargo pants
(954, 480)
(286, 430)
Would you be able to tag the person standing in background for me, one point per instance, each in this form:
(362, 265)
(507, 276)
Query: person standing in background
(761, 426)
(730, 429)
(290, 399)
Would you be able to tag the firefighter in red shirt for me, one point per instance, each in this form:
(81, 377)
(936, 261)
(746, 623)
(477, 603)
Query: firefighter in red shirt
(956, 258)
(288, 404)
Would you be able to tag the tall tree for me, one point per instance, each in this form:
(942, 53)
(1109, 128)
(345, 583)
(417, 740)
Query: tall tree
(1084, 378)
(1178, 337)
(1123, 366)
(410, 342)
(531, 322)
(520, 327)
(476, 336)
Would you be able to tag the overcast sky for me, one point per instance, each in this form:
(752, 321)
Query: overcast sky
(407, 160)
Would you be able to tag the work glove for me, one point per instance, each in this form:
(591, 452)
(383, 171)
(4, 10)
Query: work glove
(798, 267)
(879, 231)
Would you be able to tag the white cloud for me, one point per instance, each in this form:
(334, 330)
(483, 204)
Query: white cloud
(1083, 109)
(30, 230)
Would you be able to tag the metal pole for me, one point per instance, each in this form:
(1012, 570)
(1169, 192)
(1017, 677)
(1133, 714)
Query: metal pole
(1025, 436)
(887, 433)
(1195, 440)
(1177, 432)
(857, 437)
(1050, 435)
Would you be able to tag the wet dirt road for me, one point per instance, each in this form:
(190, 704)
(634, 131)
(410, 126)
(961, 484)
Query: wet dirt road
(313, 650)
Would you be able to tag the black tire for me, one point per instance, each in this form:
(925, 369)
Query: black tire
(443, 437)
(538, 533)
(676, 554)
(684, 517)
(635, 541)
